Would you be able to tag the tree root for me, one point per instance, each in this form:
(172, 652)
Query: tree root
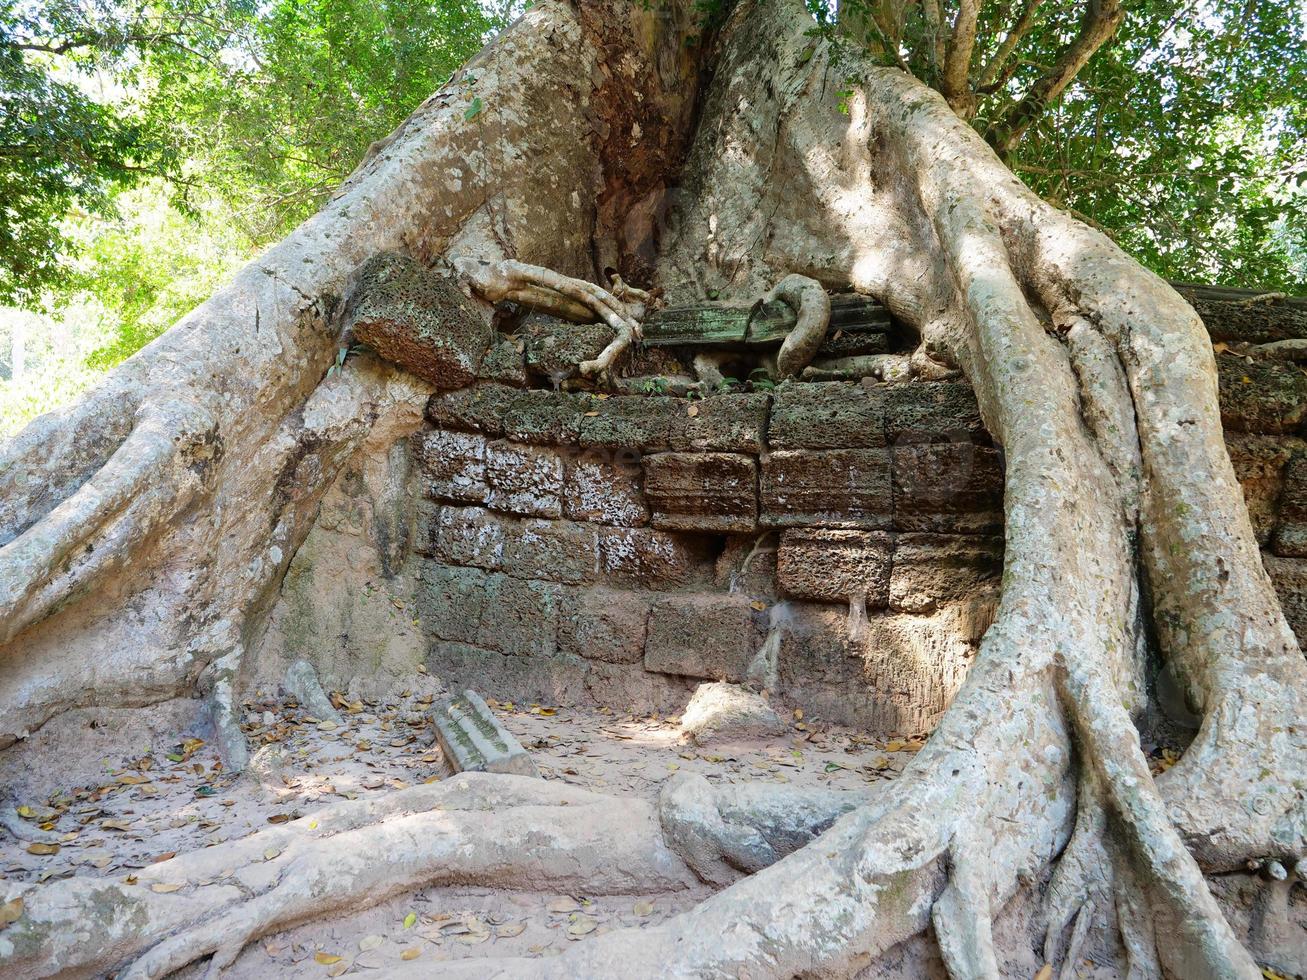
(573, 299)
(811, 306)
(473, 828)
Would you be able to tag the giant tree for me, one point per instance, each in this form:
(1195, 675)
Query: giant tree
(147, 528)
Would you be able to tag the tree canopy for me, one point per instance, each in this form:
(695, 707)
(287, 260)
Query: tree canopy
(1179, 127)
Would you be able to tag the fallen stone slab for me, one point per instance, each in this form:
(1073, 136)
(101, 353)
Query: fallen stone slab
(473, 739)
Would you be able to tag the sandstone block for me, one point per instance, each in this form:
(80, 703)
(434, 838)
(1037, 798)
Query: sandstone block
(474, 740)
(556, 679)
(543, 417)
(1262, 396)
(1262, 465)
(520, 617)
(604, 488)
(1290, 578)
(830, 565)
(1290, 538)
(555, 347)
(830, 415)
(419, 320)
(932, 411)
(477, 409)
(931, 570)
(629, 687)
(847, 488)
(705, 492)
(702, 635)
(450, 600)
(503, 364)
(469, 536)
(720, 423)
(633, 423)
(646, 558)
(453, 464)
(949, 487)
(555, 551)
(606, 624)
(524, 479)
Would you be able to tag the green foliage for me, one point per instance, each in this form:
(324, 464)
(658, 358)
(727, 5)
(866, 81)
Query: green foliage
(1183, 137)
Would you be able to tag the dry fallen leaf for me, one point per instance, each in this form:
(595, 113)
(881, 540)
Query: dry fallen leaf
(11, 912)
(644, 908)
(411, 953)
(326, 959)
(1045, 972)
(42, 849)
(271, 853)
(510, 929)
(164, 887)
(369, 942)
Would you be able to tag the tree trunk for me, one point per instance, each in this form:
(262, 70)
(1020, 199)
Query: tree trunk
(1128, 546)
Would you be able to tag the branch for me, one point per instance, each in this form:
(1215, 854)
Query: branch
(955, 85)
(993, 75)
(1102, 18)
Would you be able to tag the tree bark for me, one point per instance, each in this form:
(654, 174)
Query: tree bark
(1128, 543)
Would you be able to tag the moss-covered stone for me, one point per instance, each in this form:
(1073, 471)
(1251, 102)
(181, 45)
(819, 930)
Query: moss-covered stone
(419, 320)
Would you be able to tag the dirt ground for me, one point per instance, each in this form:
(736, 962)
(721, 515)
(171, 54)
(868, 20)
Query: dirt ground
(147, 794)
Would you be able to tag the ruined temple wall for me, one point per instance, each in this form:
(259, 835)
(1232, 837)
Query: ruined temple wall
(569, 548)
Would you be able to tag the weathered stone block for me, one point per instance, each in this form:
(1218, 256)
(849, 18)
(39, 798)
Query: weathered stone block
(1262, 396)
(706, 492)
(544, 417)
(932, 411)
(520, 617)
(556, 551)
(557, 679)
(419, 320)
(1290, 578)
(555, 347)
(646, 558)
(606, 624)
(524, 479)
(836, 488)
(450, 600)
(468, 536)
(830, 565)
(604, 488)
(894, 677)
(1290, 538)
(747, 564)
(474, 740)
(453, 464)
(702, 635)
(830, 415)
(720, 423)
(504, 364)
(1260, 462)
(630, 422)
(629, 687)
(949, 487)
(478, 409)
(931, 570)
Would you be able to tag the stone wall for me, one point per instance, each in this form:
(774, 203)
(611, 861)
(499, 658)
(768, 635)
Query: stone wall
(839, 544)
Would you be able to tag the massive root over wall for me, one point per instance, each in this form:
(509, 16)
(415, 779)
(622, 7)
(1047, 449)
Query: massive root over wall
(1129, 550)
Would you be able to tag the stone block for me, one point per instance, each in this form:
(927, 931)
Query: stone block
(1290, 578)
(555, 551)
(604, 488)
(631, 688)
(831, 565)
(520, 617)
(848, 488)
(704, 492)
(524, 479)
(557, 679)
(555, 347)
(544, 417)
(503, 364)
(747, 564)
(702, 635)
(477, 409)
(453, 464)
(1290, 537)
(450, 600)
(932, 570)
(732, 423)
(949, 487)
(1261, 396)
(932, 411)
(606, 624)
(633, 423)
(474, 740)
(419, 320)
(469, 536)
(1261, 463)
(828, 415)
(646, 558)
(895, 676)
